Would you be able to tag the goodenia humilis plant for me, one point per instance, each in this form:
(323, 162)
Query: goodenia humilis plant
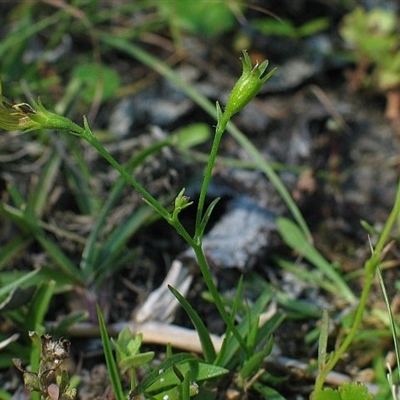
(34, 116)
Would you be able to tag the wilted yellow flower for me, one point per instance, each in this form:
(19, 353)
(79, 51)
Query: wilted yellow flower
(15, 117)
(26, 117)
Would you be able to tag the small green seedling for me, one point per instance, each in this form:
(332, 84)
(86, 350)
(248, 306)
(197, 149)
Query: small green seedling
(177, 377)
(129, 357)
(346, 391)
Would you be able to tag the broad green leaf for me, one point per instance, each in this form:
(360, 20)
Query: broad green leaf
(191, 135)
(328, 394)
(346, 391)
(354, 391)
(201, 16)
(96, 77)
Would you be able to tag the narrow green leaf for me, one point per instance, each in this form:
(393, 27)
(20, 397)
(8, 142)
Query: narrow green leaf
(202, 331)
(313, 26)
(295, 238)
(39, 306)
(79, 176)
(137, 360)
(231, 346)
(267, 392)
(252, 332)
(269, 327)
(69, 320)
(91, 253)
(26, 32)
(206, 217)
(18, 282)
(253, 364)
(38, 198)
(16, 196)
(12, 249)
(110, 361)
(65, 264)
(238, 299)
(111, 250)
(153, 377)
(323, 340)
(199, 371)
(391, 318)
(28, 222)
(305, 275)
(186, 387)
(35, 317)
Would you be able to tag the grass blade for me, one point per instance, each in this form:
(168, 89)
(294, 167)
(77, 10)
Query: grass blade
(204, 335)
(90, 253)
(323, 340)
(111, 250)
(391, 319)
(110, 360)
(38, 198)
(12, 249)
(295, 239)
(17, 283)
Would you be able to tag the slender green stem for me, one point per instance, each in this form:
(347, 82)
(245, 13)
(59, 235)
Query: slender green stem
(146, 195)
(350, 336)
(219, 130)
(89, 137)
(370, 270)
(197, 245)
(204, 268)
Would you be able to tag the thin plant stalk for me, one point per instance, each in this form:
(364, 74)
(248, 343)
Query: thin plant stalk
(370, 270)
(391, 320)
(219, 131)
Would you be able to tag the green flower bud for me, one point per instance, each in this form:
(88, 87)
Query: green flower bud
(248, 85)
(182, 201)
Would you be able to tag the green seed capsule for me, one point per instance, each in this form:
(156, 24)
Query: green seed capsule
(248, 85)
